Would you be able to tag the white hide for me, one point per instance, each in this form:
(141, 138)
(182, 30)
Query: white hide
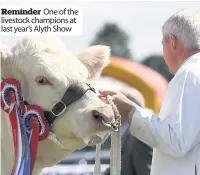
(47, 56)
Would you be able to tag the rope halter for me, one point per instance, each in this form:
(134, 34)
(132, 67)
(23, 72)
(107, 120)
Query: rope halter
(115, 153)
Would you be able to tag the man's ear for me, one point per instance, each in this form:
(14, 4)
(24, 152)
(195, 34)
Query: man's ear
(173, 41)
(95, 58)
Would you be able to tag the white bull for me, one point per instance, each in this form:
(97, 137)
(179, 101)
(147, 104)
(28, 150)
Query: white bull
(46, 70)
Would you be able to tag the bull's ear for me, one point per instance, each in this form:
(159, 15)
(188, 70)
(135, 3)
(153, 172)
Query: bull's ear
(5, 55)
(4, 52)
(95, 58)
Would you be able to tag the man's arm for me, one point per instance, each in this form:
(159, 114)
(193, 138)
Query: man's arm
(180, 131)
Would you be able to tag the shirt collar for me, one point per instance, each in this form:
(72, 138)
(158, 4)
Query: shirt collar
(187, 60)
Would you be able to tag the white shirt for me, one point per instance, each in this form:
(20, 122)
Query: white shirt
(175, 133)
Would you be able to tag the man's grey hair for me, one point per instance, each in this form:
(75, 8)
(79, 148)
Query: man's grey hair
(185, 26)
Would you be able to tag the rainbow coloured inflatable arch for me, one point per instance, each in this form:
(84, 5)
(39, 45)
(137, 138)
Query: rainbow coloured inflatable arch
(152, 84)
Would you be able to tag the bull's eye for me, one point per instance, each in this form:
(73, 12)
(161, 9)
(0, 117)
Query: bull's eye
(42, 81)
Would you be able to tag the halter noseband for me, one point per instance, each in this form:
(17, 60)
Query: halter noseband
(72, 94)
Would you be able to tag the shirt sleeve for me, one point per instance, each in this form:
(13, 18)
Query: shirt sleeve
(180, 132)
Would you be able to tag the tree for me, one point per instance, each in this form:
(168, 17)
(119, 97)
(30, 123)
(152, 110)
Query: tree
(157, 63)
(111, 35)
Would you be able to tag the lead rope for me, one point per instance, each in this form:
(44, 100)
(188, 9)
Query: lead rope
(97, 167)
(115, 153)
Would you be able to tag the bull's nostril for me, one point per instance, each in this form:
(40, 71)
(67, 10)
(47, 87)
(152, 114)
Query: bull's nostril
(98, 117)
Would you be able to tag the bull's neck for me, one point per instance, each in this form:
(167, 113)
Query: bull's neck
(7, 149)
(49, 154)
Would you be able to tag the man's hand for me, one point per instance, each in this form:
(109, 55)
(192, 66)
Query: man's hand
(123, 104)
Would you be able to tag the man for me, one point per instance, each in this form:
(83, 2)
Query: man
(175, 133)
(136, 155)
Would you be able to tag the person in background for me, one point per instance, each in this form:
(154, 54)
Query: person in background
(136, 155)
(175, 133)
